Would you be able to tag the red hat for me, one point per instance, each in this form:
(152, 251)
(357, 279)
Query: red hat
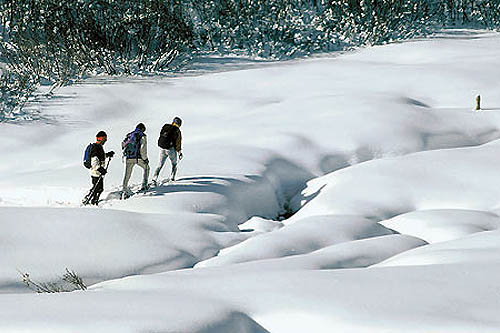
(101, 136)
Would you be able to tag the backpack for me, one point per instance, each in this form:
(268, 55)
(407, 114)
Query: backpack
(86, 156)
(167, 137)
(131, 144)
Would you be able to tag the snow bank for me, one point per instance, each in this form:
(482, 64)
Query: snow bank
(304, 236)
(482, 247)
(144, 311)
(441, 225)
(421, 181)
(410, 298)
(104, 244)
(350, 254)
(260, 224)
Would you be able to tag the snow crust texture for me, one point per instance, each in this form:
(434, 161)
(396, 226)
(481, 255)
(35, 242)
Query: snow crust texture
(356, 192)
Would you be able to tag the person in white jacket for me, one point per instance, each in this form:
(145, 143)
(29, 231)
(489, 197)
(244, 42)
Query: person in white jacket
(135, 152)
(97, 169)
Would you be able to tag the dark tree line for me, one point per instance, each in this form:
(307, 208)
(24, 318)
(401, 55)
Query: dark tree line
(56, 41)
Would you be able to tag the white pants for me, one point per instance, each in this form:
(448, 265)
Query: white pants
(172, 155)
(129, 165)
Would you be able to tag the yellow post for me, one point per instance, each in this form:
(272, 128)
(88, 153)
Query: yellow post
(478, 102)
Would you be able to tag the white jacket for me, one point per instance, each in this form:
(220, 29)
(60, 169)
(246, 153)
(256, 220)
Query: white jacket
(96, 164)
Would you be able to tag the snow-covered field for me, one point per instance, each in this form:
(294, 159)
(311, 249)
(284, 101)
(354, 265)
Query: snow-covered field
(393, 178)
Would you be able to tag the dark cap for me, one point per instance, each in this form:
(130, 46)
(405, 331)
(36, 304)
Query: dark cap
(177, 121)
(141, 127)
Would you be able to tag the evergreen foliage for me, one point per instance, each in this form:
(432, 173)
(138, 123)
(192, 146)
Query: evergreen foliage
(57, 41)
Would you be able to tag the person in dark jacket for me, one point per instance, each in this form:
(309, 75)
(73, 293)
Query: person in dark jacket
(97, 170)
(170, 143)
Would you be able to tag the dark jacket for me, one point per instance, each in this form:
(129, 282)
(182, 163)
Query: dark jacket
(98, 151)
(170, 136)
(97, 159)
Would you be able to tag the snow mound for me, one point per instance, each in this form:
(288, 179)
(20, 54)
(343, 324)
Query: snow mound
(304, 236)
(260, 224)
(443, 224)
(353, 254)
(422, 181)
(128, 311)
(482, 247)
(378, 299)
(104, 244)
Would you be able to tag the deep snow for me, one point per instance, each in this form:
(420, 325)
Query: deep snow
(392, 176)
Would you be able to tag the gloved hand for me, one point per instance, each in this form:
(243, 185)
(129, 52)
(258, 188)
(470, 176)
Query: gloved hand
(102, 171)
(146, 161)
(181, 156)
(110, 154)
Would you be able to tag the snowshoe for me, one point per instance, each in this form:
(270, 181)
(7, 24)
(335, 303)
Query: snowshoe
(126, 194)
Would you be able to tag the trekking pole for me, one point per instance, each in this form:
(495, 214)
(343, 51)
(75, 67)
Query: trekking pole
(179, 163)
(92, 190)
(172, 170)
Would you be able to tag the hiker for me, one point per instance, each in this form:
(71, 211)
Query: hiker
(170, 145)
(96, 162)
(135, 151)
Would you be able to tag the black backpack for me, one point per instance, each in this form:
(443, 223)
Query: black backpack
(168, 136)
(86, 156)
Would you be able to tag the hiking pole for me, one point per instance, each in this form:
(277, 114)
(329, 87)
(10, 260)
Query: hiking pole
(92, 190)
(173, 173)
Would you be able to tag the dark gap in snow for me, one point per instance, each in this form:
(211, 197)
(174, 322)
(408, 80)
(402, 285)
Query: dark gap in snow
(286, 213)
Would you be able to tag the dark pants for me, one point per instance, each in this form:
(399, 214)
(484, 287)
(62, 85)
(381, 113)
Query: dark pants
(99, 188)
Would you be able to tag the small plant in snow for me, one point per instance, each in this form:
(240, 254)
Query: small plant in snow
(75, 280)
(70, 281)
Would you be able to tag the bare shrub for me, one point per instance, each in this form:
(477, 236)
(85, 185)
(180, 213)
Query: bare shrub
(70, 281)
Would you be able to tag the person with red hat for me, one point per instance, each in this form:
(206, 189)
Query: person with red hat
(98, 167)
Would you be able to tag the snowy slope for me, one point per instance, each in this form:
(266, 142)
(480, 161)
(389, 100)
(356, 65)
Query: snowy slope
(392, 177)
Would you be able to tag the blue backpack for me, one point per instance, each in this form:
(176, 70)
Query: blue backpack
(131, 145)
(86, 156)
